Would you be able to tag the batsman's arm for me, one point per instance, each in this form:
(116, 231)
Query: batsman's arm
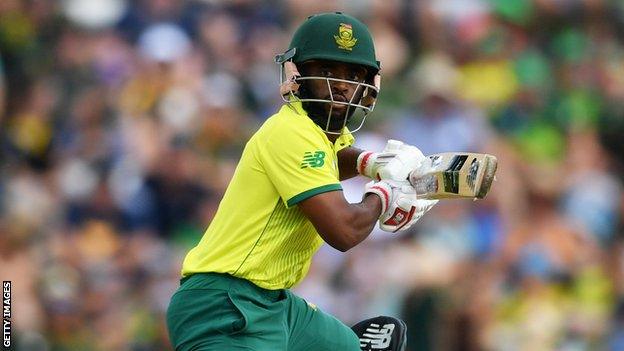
(341, 224)
(347, 162)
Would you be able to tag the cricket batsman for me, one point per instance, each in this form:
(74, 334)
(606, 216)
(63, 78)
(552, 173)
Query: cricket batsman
(285, 200)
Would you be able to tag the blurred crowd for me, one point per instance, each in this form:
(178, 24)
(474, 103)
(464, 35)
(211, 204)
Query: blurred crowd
(122, 121)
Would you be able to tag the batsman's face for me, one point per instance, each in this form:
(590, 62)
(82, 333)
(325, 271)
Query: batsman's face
(340, 91)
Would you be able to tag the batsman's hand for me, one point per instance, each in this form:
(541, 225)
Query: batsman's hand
(400, 207)
(369, 163)
(395, 162)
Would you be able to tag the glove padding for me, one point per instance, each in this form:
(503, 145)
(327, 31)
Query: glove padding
(369, 163)
(395, 162)
(400, 207)
(408, 158)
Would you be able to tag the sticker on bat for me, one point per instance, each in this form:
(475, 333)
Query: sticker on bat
(471, 177)
(435, 160)
(451, 174)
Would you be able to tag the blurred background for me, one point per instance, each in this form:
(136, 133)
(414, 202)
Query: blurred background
(121, 122)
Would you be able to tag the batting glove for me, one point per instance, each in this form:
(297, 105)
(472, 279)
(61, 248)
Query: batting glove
(408, 159)
(369, 163)
(400, 207)
(395, 162)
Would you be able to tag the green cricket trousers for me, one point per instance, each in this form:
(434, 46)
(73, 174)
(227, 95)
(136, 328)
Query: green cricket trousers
(212, 311)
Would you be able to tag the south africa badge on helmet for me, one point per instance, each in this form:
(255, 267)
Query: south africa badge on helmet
(345, 39)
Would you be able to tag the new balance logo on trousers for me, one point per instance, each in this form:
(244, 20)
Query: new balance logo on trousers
(381, 334)
(377, 338)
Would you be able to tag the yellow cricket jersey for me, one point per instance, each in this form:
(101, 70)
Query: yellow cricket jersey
(258, 233)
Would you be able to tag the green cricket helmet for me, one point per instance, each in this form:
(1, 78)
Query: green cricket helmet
(333, 37)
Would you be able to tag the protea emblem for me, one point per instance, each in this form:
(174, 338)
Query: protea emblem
(345, 39)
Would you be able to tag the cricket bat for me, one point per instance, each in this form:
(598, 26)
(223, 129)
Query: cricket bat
(455, 175)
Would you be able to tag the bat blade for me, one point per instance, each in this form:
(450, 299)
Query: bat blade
(455, 175)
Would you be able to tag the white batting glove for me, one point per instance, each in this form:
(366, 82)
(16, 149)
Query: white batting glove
(395, 162)
(369, 163)
(408, 158)
(400, 208)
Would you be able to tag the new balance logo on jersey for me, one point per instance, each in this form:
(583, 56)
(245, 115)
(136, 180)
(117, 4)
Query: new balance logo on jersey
(377, 338)
(313, 160)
